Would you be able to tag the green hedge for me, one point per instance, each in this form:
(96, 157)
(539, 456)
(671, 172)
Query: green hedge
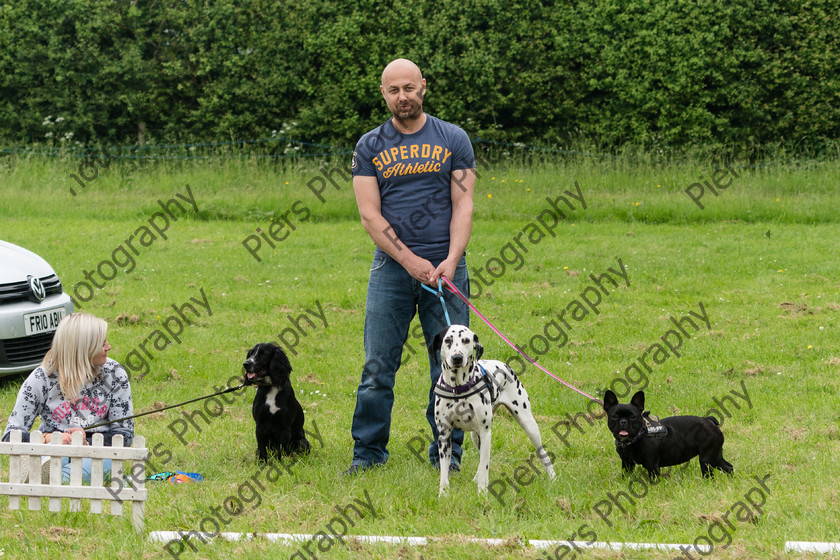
(653, 73)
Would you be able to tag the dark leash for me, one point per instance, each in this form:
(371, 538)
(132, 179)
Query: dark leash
(228, 390)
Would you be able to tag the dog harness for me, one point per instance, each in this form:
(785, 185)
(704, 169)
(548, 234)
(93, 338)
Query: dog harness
(653, 427)
(471, 387)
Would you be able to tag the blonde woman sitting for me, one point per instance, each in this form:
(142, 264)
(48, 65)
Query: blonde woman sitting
(76, 385)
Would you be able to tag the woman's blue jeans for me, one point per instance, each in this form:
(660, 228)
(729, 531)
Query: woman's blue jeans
(393, 298)
(87, 465)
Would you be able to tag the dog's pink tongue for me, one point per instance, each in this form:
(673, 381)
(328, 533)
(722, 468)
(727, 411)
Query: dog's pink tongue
(251, 375)
(623, 433)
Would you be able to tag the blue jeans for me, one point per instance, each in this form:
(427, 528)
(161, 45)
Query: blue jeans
(87, 464)
(393, 298)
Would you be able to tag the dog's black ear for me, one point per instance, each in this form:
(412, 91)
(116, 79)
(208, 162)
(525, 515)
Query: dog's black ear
(479, 349)
(638, 400)
(279, 364)
(434, 347)
(610, 400)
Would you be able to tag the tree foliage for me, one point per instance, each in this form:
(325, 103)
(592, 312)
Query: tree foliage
(611, 72)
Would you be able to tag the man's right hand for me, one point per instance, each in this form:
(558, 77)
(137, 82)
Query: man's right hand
(420, 269)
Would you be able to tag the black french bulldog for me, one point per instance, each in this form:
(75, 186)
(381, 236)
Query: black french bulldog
(681, 439)
(277, 413)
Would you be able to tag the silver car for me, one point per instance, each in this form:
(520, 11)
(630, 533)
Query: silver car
(32, 302)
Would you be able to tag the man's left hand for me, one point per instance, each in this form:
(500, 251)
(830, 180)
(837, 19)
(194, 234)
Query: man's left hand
(445, 268)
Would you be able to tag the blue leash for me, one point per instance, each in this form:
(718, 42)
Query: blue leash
(486, 378)
(439, 293)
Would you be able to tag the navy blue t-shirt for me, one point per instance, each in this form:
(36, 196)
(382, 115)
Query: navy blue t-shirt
(413, 172)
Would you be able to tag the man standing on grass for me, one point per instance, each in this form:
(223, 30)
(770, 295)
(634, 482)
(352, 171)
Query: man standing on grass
(413, 177)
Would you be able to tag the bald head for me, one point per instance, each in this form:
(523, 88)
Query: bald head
(401, 67)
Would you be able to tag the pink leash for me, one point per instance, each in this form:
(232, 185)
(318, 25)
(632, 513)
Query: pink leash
(458, 293)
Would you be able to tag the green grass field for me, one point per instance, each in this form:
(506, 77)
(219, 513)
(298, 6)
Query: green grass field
(761, 258)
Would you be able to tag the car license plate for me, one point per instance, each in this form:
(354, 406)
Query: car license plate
(43, 321)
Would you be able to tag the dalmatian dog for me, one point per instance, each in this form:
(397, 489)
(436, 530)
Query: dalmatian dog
(467, 393)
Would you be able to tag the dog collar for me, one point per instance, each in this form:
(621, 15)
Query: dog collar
(442, 389)
(632, 441)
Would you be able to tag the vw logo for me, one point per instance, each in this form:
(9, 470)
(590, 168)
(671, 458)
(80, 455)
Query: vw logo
(37, 288)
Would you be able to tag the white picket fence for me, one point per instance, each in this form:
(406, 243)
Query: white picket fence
(46, 458)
